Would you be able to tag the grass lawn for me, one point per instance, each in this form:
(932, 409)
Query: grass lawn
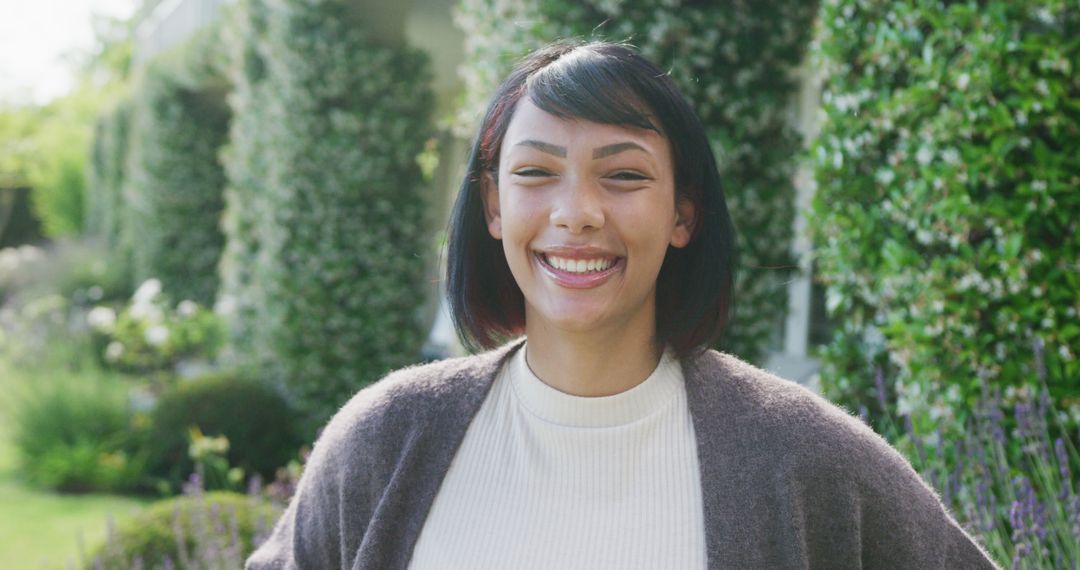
(39, 529)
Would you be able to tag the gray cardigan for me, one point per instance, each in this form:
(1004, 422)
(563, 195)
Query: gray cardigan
(788, 479)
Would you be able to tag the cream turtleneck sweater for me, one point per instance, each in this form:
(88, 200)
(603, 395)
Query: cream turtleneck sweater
(545, 479)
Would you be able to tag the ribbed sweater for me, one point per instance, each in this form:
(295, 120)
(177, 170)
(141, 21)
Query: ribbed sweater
(788, 480)
(545, 479)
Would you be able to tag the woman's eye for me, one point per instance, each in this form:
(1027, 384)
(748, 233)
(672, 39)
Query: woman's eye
(625, 175)
(532, 172)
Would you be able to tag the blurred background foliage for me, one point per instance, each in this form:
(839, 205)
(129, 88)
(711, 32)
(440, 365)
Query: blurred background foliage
(946, 211)
(204, 254)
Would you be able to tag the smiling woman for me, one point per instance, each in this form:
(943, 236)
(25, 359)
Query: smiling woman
(591, 223)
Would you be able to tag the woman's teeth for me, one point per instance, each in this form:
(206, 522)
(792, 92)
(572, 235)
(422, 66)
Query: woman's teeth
(579, 265)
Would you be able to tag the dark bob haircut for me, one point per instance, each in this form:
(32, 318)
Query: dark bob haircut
(610, 84)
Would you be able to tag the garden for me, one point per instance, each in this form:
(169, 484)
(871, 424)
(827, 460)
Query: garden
(244, 236)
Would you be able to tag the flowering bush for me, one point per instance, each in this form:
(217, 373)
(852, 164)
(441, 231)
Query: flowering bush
(735, 62)
(948, 206)
(150, 334)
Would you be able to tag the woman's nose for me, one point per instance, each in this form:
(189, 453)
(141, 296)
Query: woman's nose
(577, 208)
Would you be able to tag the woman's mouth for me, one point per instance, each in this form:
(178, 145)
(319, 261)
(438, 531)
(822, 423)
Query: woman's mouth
(578, 272)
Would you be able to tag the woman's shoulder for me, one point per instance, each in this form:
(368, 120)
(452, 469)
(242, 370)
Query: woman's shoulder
(817, 454)
(409, 398)
(780, 412)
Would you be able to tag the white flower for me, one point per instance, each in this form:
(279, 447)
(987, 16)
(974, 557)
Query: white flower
(1039, 185)
(156, 335)
(886, 176)
(114, 351)
(951, 156)
(1064, 352)
(963, 81)
(95, 293)
(146, 292)
(225, 306)
(147, 313)
(186, 308)
(101, 319)
(924, 156)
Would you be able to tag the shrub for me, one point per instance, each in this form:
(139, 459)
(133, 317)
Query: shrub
(173, 182)
(735, 62)
(328, 213)
(201, 532)
(255, 419)
(150, 335)
(75, 433)
(947, 210)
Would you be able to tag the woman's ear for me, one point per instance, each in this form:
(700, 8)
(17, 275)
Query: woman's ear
(489, 192)
(684, 222)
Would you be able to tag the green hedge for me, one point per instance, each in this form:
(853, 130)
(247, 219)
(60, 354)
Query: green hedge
(245, 158)
(108, 159)
(735, 62)
(946, 214)
(327, 209)
(173, 188)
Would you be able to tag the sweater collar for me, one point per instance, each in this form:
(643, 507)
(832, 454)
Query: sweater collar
(557, 407)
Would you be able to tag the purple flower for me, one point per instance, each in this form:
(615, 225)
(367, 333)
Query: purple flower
(1016, 520)
(1063, 468)
(1018, 556)
(1040, 360)
(1023, 422)
(879, 382)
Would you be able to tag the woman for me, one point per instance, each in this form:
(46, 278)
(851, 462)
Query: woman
(591, 221)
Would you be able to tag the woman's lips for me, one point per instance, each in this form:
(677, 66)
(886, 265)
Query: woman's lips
(573, 280)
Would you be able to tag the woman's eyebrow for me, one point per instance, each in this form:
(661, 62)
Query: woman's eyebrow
(616, 148)
(559, 151)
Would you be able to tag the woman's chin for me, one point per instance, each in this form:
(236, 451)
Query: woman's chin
(572, 319)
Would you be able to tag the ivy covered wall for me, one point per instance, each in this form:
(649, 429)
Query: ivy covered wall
(327, 209)
(173, 181)
(948, 201)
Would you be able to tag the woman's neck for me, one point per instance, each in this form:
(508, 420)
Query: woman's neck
(591, 364)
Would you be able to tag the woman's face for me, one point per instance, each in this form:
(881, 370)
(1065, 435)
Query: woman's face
(585, 212)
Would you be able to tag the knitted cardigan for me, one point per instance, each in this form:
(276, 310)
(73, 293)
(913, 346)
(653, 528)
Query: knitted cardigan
(788, 479)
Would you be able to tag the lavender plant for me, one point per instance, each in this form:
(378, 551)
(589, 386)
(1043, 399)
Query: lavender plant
(200, 530)
(1010, 478)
